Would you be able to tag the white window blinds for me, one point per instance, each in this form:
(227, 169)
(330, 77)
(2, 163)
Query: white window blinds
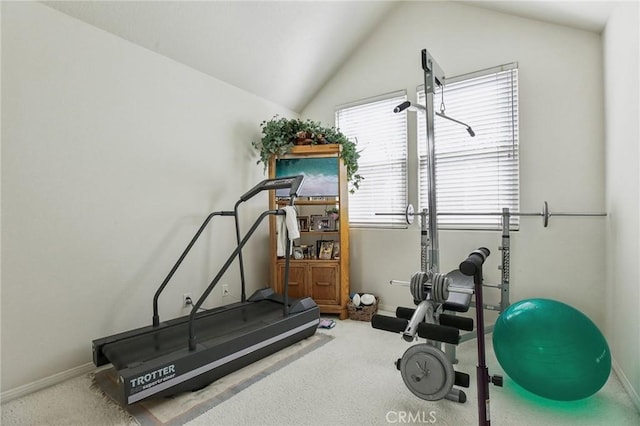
(381, 139)
(481, 173)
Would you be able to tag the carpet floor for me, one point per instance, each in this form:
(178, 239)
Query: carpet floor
(349, 380)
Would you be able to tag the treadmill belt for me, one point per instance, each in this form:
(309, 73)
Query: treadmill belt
(209, 329)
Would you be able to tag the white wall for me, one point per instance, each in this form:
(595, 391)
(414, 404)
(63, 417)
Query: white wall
(621, 53)
(111, 158)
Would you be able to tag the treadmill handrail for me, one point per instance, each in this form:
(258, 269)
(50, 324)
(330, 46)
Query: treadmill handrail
(223, 270)
(293, 182)
(156, 315)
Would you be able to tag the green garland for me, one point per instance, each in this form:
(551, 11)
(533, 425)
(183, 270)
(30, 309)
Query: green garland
(279, 135)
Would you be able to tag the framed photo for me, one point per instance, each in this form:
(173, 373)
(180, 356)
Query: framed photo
(326, 250)
(322, 223)
(298, 254)
(315, 222)
(336, 250)
(319, 246)
(303, 223)
(320, 175)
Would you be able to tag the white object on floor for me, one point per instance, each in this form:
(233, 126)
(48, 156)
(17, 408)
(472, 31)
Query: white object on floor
(356, 299)
(367, 299)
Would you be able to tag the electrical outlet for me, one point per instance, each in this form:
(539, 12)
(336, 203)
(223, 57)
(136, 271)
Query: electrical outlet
(187, 301)
(225, 290)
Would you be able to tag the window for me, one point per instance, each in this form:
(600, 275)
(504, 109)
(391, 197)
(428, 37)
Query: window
(479, 174)
(381, 139)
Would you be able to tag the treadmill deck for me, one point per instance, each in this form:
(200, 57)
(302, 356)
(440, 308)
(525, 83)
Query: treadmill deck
(156, 361)
(210, 330)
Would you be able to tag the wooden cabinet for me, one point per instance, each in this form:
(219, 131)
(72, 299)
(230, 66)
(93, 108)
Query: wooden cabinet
(318, 279)
(320, 267)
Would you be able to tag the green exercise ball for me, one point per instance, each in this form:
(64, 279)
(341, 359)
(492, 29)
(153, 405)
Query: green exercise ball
(551, 349)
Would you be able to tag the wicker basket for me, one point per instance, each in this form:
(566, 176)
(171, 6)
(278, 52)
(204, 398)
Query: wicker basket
(362, 313)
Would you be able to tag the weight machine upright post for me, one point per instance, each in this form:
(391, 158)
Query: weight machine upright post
(433, 76)
(506, 260)
(424, 241)
(482, 372)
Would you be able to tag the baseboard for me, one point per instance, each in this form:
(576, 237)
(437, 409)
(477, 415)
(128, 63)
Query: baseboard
(386, 309)
(626, 384)
(45, 383)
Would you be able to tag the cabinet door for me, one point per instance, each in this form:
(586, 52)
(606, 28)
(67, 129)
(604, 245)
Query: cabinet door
(297, 280)
(325, 283)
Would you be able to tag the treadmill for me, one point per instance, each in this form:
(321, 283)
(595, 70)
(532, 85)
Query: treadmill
(190, 352)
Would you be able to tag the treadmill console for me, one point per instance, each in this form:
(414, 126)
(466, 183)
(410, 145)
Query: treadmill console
(293, 182)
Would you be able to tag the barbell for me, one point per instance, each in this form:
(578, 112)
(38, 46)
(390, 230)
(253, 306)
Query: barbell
(437, 285)
(409, 214)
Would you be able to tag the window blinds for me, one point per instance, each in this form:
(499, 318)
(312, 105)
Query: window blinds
(381, 138)
(479, 174)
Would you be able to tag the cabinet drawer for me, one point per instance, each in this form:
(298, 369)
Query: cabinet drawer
(297, 280)
(325, 283)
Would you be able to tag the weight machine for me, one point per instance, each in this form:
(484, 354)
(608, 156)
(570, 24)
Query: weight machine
(505, 247)
(461, 284)
(425, 368)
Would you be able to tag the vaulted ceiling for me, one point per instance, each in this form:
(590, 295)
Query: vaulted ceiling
(283, 51)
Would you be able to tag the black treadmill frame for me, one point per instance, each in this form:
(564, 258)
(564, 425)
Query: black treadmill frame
(196, 365)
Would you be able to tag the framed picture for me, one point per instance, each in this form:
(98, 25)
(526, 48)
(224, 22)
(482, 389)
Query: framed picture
(336, 250)
(319, 246)
(315, 223)
(307, 250)
(322, 223)
(320, 175)
(326, 250)
(303, 223)
(298, 254)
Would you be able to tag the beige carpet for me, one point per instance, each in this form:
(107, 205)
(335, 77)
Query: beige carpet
(350, 380)
(187, 406)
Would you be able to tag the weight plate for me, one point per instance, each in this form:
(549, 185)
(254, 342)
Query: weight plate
(435, 290)
(409, 214)
(413, 286)
(438, 288)
(417, 287)
(427, 372)
(446, 281)
(424, 292)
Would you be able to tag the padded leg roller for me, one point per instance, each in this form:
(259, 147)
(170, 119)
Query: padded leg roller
(457, 395)
(405, 313)
(462, 379)
(383, 322)
(441, 333)
(461, 323)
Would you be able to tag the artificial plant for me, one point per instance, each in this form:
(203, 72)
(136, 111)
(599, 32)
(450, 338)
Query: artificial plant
(279, 135)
